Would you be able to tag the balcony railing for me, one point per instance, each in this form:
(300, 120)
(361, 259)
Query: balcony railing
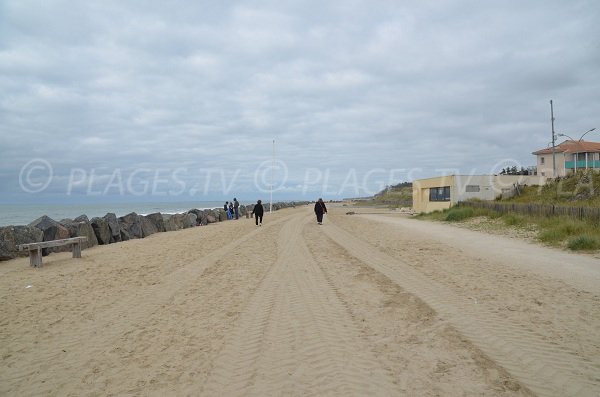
(582, 164)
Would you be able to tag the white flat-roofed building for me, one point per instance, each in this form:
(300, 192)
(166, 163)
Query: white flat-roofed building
(442, 192)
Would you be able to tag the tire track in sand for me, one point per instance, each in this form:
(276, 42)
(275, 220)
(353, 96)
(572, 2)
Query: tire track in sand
(130, 313)
(296, 337)
(544, 368)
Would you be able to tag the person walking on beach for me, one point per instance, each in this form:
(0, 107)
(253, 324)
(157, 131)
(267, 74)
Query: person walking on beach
(258, 212)
(226, 208)
(236, 206)
(320, 209)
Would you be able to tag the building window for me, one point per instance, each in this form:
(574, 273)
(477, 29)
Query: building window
(541, 160)
(472, 188)
(439, 193)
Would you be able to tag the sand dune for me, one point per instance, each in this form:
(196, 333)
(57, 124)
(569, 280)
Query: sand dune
(363, 305)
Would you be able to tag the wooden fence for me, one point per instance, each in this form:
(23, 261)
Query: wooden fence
(585, 213)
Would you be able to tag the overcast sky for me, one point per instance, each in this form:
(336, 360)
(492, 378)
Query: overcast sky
(180, 100)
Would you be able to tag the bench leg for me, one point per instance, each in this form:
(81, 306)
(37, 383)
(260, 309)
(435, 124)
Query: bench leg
(35, 257)
(77, 250)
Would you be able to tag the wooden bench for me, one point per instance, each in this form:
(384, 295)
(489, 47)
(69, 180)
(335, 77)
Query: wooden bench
(35, 249)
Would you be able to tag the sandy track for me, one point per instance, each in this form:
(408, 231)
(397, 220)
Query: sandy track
(577, 270)
(287, 309)
(296, 338)
(541, 357)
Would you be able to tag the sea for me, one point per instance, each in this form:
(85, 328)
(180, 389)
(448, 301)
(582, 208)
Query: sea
(23, 214)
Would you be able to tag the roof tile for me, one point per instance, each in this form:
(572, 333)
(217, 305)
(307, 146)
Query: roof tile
(570, 146)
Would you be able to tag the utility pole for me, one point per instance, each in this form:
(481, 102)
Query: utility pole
(553, 141)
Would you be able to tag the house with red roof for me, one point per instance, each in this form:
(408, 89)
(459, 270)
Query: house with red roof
(569, 156)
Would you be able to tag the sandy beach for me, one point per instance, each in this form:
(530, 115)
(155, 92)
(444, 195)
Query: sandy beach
(371, 304)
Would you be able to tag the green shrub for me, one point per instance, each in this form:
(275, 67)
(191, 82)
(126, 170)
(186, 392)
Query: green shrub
(572, 227)
(459, 214)
(513, 220)
(437, 215)
(493, 214)
(583, 242)
(551, 236)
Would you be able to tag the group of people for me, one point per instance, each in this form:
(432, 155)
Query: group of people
(232, 209)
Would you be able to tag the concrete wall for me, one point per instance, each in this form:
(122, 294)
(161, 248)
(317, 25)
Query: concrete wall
(490, 186)
(546, 168)
(465, 187)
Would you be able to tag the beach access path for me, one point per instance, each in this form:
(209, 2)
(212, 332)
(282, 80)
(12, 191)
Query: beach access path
(368, 304)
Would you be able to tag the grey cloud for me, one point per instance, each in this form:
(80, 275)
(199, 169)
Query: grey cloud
(429, 85)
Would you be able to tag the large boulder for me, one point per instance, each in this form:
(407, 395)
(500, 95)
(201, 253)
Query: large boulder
(113, 225)
(81, 226)
(213, 215)
(8, 248)
(148, 226)
(131, 226)
(198, 214)
(209, 216)
(12, 236)
(190, 220)
(174, 222)
(86, 229)
(124, 235)
(169, 223)
(157, 221)
(202, 218)
(52, 230)
(82, 218)
(101, 229)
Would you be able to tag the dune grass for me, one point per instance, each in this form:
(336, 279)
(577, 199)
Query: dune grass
(555, 231)
(395, 196)
(514, 220)
(581, 189)
(459, 214)
(583, 242)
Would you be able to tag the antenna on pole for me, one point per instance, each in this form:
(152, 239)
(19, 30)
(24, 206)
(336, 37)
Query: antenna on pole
(272, 170)
(553, 141)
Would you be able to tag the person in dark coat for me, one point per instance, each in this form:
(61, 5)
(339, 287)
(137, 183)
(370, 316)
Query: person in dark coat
(258, 212)
(320, 209)
(236, 208)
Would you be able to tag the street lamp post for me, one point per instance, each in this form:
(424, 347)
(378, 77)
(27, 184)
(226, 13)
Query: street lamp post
(578, 145)
(272, 170)
(586, 154)
(584, 134)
